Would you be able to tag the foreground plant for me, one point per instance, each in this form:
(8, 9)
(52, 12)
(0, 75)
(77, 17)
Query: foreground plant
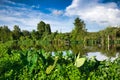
(38, 64)
(79, 61)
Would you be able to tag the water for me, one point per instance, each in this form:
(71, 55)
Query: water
(100, 52)
(100, 57)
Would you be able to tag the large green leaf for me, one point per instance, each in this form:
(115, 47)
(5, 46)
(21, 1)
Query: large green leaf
(79, 61)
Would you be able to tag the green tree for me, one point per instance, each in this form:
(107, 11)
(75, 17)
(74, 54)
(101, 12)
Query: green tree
(35, 34)
(118, 32)
(47, 29)
(79, 25)
(79, 31)
(26, 33)
(41, 27)
(16, 32)
(5, 34)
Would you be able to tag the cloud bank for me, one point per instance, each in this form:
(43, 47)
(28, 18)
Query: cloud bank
(93, 11)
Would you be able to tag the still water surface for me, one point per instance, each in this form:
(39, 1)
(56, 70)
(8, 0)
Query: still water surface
(100, 52)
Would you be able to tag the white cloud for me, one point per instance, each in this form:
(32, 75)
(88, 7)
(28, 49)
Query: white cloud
(95, 15)
(34, 6)
(92, 11)
(57, 12)
(8, 1)
(27, 18)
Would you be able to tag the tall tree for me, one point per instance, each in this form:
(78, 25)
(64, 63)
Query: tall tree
(41, 27)
(5, 34)
(79, 25)
(79, 31)
(47, 29)
(16, 32)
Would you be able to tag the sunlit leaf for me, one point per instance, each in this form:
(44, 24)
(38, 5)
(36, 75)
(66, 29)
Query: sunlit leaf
(79, 62)
(49, 69)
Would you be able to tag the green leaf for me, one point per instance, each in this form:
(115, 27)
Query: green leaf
(49, 69)
(79, 62)
(34, 59)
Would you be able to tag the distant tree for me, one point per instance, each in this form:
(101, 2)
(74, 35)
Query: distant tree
(26, 33)
(47, 29)
(5, 34)
(41, 27)
(35, 34)
(79, 31)
(79, 25)
(16, 32)
(118, 32)
(111, 31)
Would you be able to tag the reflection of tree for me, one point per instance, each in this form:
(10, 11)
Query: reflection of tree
(83, 49)
(55, 47)
(111, 52)
(78, 48)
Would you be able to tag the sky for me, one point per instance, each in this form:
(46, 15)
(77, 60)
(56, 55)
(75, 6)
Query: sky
(60, 14)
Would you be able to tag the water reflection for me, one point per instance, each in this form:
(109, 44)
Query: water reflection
(101, 52)
(101, 57)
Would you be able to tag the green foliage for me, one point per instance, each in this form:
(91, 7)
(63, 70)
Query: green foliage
(16, 32)
(5, 34)
(35, 35)
(26, 33)
(79, 31)
(47, 29)
(43, 28)
(26, 43)
(51, 67)
(78, 35)
(79, 25)
(38, 64)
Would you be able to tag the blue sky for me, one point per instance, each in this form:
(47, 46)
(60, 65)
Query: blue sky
(60, 14)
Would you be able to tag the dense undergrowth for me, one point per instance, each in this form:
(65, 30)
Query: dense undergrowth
(40, 65)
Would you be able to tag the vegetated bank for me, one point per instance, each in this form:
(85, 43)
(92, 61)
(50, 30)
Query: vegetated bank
(39, 64)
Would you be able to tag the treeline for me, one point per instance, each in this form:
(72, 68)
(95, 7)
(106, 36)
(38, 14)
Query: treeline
(43, 32)
(6, 34)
